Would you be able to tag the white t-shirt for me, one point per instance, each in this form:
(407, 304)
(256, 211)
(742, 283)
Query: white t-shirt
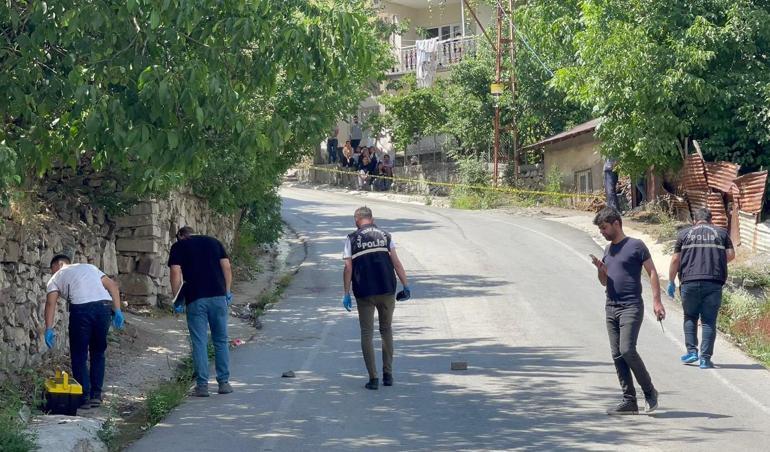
(81, 283)
(347, 252)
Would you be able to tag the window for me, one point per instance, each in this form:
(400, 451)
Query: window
(584, 181)
(444, 32)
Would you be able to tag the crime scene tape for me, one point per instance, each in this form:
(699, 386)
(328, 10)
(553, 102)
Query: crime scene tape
(508, 190)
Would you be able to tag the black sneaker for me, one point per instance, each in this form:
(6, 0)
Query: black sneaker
(387, 379)
(624, 407)
(652, 401)
(374, 383)
(201, 391)
(95, 402)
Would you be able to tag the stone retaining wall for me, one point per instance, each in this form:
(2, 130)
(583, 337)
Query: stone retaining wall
(145, 238)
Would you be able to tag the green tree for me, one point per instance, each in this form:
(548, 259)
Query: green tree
(545, 44)
(220, 95)
(663, 72)
(412, 112)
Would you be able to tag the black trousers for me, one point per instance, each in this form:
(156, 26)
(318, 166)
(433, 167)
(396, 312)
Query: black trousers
(623, 324)
(88, 327)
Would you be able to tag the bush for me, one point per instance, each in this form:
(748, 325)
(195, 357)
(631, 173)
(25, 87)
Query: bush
(553, 180)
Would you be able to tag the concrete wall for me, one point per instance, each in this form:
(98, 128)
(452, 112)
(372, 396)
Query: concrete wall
(574, 155)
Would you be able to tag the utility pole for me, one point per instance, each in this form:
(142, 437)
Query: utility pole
(498, 75)
(497, 87)
(514, 129)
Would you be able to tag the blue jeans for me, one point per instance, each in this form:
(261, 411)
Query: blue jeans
(202, 314)
(611, 189)
(701, 300)
(88, 327)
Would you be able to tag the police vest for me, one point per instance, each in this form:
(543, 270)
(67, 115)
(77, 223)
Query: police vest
(373, 271)
(703, 251)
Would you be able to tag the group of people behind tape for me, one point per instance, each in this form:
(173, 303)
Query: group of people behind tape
(373, 167)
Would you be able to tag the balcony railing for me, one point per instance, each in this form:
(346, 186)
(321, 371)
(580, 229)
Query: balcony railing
(450, 51)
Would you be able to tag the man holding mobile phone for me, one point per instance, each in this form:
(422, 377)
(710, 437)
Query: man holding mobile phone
(620, 271)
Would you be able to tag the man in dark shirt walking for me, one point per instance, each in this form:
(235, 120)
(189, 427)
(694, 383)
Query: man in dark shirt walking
(371, 266)
(620, 271)
(700, 259)
(200, 268)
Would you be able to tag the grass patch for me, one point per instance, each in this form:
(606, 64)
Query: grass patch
(746, 319)
(165, 398)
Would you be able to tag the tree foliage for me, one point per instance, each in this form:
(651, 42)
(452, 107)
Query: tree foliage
(660, 73)
(220, 95)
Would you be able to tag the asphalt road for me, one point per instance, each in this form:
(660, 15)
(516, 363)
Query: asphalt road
(515, 297)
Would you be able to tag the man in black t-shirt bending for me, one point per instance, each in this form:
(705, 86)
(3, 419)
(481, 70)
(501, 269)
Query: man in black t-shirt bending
(620, 271)
(202, 263)
(700, 259)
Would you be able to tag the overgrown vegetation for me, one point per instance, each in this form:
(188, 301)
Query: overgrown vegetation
(14, 399)
(746, 318)
(473, 173)
(758, 275)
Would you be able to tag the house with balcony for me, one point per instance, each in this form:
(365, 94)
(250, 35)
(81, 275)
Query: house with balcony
(448, 20)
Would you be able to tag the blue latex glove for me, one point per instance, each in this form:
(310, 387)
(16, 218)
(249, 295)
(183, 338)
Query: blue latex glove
(347, 302)
(179, 308)
(118, 320)
(404, 294)
(229, 298)
(671, 289)
(50, 338)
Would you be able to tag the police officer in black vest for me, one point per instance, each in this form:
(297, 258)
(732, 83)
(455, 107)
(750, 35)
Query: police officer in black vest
(371, 266)
(700, 259)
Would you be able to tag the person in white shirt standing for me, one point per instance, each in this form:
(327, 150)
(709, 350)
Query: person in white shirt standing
(92, 298)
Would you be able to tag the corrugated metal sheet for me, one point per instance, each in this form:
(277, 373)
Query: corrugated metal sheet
(748, 226)
(716, 205)
(721, 175)
(694, 174)
(752, 189)
(698, 199)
